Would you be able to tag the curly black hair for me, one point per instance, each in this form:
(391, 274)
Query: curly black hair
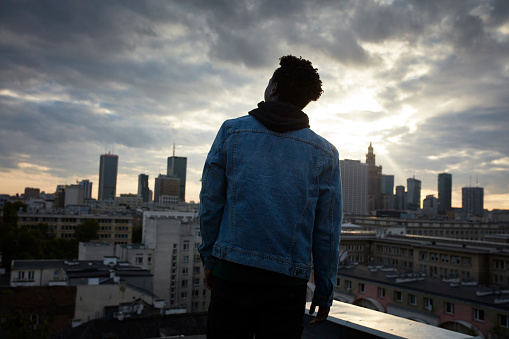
(297, 81)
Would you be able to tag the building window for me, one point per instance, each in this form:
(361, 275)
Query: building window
(30, 275)
(503, 320)
(478, 314)
(498, 264)
(412, 299)
(398, 296)
(186, 246)
(196, 293)
(428, 304)
(196, 281)
(184, 283)
(348, 284)
(338, 282)
(185, 270)
(139, 260)
(381, 292)
(362, 288)
(149, 260)
(185, 258)
(196, 269)
(183, 295)
(449, 308)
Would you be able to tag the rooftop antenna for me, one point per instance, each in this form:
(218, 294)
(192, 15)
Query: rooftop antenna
(174, 149)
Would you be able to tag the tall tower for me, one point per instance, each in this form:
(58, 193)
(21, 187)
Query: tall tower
(108, 168)
(166, 189)
(400, 198)
(387, 191)
(472, 201)
(143, 189)
(177, 167)
(374, 181)
(87, 188)
(354, 183)
(413, 194)
(444, 192)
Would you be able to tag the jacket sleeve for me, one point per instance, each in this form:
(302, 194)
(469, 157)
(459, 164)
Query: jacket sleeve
(326, 232)
(213, 196)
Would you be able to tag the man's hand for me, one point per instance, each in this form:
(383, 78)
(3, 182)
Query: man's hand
(322, 314)
(209, 279)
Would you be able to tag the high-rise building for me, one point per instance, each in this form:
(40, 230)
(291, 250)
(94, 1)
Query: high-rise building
(108, 168)
(87, 188)
(177, 168)
(73, 195)
(354, 182)
(413, 194)
(387, 191)
(472, 201)
(166, 189)
(430, 205)
(400, 198)
(59, 201)
(143, 190)
(32, 193)
(444, 192)
(374, 181)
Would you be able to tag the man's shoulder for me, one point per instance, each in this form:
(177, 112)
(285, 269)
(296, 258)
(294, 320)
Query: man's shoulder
(321, 141)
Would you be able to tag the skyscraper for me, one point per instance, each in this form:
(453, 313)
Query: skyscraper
(387, 191)
(374, 181)
(166, 189)
(143, 190)
(444, 192)
(354, 182)
(472, 201)
(400, 198)
(413, 194)
(87, 188)
(108, 168)
(177, 167)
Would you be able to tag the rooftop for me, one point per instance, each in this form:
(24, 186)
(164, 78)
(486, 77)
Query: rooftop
(432, 286)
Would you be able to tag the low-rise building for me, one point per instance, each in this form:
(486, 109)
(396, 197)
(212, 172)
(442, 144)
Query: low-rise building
(113, 228)
(456, 284)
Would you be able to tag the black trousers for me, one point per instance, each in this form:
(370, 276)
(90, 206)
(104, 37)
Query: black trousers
(243, 310)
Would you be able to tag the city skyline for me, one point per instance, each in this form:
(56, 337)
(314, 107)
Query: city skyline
(423, 81)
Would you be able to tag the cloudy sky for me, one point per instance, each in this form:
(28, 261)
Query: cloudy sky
(427, 82)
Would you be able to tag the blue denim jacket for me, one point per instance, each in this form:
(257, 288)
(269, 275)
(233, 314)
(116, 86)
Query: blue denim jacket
(273, 201)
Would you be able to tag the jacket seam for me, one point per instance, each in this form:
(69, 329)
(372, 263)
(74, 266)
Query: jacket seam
(284, 135)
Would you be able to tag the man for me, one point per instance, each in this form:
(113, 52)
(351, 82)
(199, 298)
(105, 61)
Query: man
(270, 212)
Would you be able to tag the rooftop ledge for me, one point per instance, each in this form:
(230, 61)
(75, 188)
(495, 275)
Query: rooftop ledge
(346, 320)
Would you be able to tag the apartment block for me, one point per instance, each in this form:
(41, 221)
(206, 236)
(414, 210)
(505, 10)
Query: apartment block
(113, 228)
(455, 284)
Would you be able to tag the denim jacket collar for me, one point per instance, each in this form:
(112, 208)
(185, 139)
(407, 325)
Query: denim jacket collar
(279, 116)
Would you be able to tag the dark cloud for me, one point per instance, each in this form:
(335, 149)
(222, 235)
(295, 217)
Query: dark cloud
(78, 78)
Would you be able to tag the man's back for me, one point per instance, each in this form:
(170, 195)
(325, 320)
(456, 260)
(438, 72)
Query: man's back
(270, 211)
(273, 189)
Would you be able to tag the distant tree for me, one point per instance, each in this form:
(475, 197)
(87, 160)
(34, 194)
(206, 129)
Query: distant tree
(10, 212)
(86, 231)
(137, 235)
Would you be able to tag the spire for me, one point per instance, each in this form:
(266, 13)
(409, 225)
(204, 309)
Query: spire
(173, 148)
(370, 157)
